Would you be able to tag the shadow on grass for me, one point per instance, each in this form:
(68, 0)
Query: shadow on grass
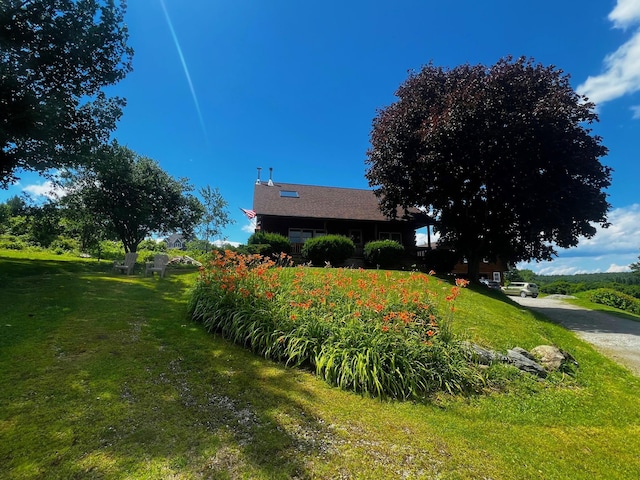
(102, 375)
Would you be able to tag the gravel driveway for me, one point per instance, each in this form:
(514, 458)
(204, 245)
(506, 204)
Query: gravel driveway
(615, 337)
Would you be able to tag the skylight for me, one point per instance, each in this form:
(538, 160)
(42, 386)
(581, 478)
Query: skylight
(289, 194)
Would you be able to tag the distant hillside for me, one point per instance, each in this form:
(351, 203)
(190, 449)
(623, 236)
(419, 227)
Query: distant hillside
(625, 278)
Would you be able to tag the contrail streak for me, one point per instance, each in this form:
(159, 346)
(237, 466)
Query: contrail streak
(184, 66)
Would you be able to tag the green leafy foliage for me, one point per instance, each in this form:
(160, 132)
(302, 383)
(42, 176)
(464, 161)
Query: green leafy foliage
(383, 253)
(10, 242)
(268, 244)
(613, 298)
(334, 249)
(57, 56)
(133, 196)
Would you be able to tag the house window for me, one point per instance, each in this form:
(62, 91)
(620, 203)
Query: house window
(300, 235)
(396, 236)
(496, 276)
(289, 194)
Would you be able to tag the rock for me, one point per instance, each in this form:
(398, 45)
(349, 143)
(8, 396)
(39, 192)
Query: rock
(484, 356)
(184, 260)
(552, 358)
(525, 353)
(521, 359)
(549, 357)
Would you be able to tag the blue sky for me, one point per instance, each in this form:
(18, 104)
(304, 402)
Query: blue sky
(220, 88)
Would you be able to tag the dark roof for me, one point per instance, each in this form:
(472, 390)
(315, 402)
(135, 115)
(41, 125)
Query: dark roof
(319, 202)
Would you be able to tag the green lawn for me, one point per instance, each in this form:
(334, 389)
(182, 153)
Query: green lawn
(103, 376)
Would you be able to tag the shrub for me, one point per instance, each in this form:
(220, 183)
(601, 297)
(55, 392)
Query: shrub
(560, 287)
(268, 244)
(334, 249)
(10, 242)
(151, 245)
(108, 250)
(612, 298)
(63, 245)
(384, 253)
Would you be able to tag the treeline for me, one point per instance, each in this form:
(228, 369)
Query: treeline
(626, 278)
(624, 282)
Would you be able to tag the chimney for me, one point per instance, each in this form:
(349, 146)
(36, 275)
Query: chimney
(270, 177)
(258, 181)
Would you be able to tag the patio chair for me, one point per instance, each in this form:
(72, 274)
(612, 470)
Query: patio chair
(159, 265)
(126, 267)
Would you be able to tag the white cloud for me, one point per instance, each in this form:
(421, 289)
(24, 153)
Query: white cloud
(610, 250)
(625, 13)
(621, 75)
(46, 189)
(222, 243)
(636, 111)
(558, 270)
(249, 227)
(613, 268)
(623, 236)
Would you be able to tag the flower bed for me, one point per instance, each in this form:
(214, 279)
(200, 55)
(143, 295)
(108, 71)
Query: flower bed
(379, 333)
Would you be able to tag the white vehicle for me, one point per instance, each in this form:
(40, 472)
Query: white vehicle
(523, 289)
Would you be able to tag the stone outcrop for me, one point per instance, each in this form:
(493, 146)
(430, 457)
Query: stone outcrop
(540, 361)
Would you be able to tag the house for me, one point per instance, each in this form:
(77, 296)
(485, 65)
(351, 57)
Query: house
(176, 241)
(301, 212)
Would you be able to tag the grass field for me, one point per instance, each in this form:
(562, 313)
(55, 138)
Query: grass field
(103, 376)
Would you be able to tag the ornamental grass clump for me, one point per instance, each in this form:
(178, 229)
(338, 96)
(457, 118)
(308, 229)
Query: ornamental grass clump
(371, 332)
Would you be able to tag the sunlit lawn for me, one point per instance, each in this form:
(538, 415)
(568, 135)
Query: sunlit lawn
(103, 376)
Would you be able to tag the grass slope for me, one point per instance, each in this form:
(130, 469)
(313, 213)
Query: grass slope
(102, 376)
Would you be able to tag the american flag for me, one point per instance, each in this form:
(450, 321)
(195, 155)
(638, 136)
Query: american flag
(249, 213)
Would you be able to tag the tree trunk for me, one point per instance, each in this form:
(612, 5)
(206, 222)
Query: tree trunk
(473, 268)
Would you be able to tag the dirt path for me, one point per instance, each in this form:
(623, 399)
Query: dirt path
(617, 338)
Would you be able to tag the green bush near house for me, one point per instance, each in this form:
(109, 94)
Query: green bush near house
(268, 244)
(334, 249)
(383, 253)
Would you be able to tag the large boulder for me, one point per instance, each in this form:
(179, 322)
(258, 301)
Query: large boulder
(551, 358)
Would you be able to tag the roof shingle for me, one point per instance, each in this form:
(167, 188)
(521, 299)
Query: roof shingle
(318, 202)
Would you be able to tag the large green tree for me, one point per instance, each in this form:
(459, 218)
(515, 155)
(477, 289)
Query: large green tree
(133, 195)
(55, 58)
(502, 155)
